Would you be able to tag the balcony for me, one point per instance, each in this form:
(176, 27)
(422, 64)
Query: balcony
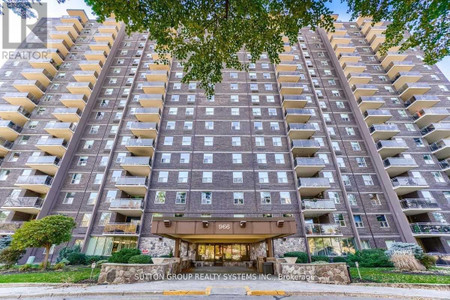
(37, 183)
(30, 86)
(395, 166)
(375, 30)
(298, 115)
(417, 206)
(84, 88)
(286, 57)
(349, 58)
(353, 68)
(360, 90)
(370, 103)
(383, 131)
(288, 76)
(337, 39)
(121, 229)
(91, 65)
(130, 207)
(304, 147)
(286, 66)
(68, 28)
(287, 47)
(358, 78)
(71, 114)
(435, 132)
(108, 29)
(291, 101)
(320, 230)
(148, 114)
(98, 55)
(100, 46)
(390, 148)
(26, 100)
(27, 205)
(104, 37)
(133, 186)
(155, 87)
(317, 207)
(9, 228)
(137, 165)
(300, 131)
(47, 64)
(390, 57)
(46, 164)
(418, 102)
(144, 130)
(62, 130)
(441, 149)
(9, 131)
(76, 21)
(308, 166)
(141, 147)
(395, 67)
(111, 22)
(376, 41)
(445, 166)
(366, 25)
(155, 76)
(5, 147)
(288, 88)
(164, 56)
(344, 48)
(151, 100)
(40, 75)
(406, 185)
(58, 45)
(430, 229)
(410, 89)
(338, 31)
(57, 147)
(312, 186)
(406, 77)
(158, 66)
(427, 116)
(86, 76)
(62, 35)
(14, 113)
(376, 116)
(74, 100)
(78, 13)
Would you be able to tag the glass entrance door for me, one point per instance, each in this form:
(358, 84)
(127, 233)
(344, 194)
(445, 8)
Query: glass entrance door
(218, 253)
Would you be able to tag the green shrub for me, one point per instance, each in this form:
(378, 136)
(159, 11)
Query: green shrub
(399, 247)
(140, 259)
(66, 251)
(59, 266)
(320, 258)
(76, 258)
(101, 262)
(336, 259)
(302, 257)
(123, 255)
(25, 268)
(10, 256)
(319, 262)
(370, 258)
(428, 261)
(94, 258)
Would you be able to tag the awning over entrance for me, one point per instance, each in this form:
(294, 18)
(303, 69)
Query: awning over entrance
(223, 230)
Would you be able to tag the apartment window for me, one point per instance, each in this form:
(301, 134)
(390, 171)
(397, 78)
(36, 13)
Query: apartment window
(443, 88)
(183, 177)
(175, 98)
(170, 125)
(68, 198)
(92, 198)
(238, 198)
(208, 158)
(402, 113)
(236, 141)
(104, 218)
(33, 124)
(261, 158)
(282, 177)
(235, 125)
(339, 219)
(208, 141)
(206, 197)
(335, 197)
(173, 111)
(345, 117)
(340, 162)
(184, 158)
(358, 221)
(234, 98)
(85, 220)
(258, 125)
(4, 174)
(276, 141)
(439, 217)
(419, 142)
(350, 131)
(160, 197)
(209, 125)
(207, 177)
(14, 157)
(361, 162)
(237, 158)
(189, 111)
(274, 126)
(367, 179)
(235, 111)
(270, 99)
(187, 125)
(255, 99)
(237, 177)
(233, 86)
(177, 86)
(165, 158)
(186, 140)
(346, 180)
(374, 200)
(163, 176)
(265, 198)
(340, 104)
(272, 111)
(76, 178)
(82, 161)
(234, 75)
(263, 177)
(279, 158)
(410, 127)
(209, 111)
(268, 87)
(428, 159)
(352, 199)
(256, 112)
(383, 221)
(168, 140)
(192, 86)
(438, 177)
(259, 141)
(285, 198)
(180, 198)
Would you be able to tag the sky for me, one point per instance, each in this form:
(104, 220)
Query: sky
(57, 10)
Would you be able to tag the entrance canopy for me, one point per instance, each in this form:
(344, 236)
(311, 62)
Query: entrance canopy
(223, 230)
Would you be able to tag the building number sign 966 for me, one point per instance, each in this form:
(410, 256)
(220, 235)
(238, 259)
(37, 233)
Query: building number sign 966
(224, 226)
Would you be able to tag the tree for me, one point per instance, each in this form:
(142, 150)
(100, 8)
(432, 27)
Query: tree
(45, 232)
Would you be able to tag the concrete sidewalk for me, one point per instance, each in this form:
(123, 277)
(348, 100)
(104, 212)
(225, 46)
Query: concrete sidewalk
(217, 287)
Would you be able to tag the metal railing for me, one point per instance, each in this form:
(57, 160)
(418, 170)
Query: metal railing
(323, 229)
(430, 228)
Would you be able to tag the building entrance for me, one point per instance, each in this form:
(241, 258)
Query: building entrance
(220, 253)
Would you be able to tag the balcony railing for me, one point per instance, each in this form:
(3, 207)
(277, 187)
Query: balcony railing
(143, 125)
(140, 143)
(43, 160)
(305, 143)
(318, 204)
(136, 161)
(430, 111)
(398, 143)
(376, 113)
(430, 228)
(435, 126)
(9, 124)
(370, 99)
(413, 85)
(35, 202)
(126, 203)
(418, 203)
(444, 164)
(308, 161)
(301, 126)
(383, 127)
(131, 180)
(51, 142)
(6, 144)
(35, 179)
(421, 98)
(408, 181)
(121, 228)
(60, 125)
(313, 182)
(399, 161)
(323, 229)
(21, 95)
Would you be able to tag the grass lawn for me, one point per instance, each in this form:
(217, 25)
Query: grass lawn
(62, 276)
(381, 275)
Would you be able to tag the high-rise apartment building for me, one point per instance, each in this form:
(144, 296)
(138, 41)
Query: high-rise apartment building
(335, 148)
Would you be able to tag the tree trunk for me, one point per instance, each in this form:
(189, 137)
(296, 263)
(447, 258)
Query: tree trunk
(47, 253)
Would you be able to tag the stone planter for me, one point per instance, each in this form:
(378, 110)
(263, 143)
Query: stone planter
(158, 260)
(290, 260)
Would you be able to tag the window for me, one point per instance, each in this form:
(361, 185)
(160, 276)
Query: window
(265, 198)
(160, 197)
(428, 159)
(163, 176)
(263, 177)
(104, 219)
(170, 125)
(367, 179)
(419, 142)
(334, 196)
(237, 158)
(180, 198)
(92, 198)
(259, 141)
(209, 125)
(85, 220)
(352, 199)
(258, 125)
(329, 175)
(274, 126)
(383, 221)
(282, 177)
(279, 158)
(236, 141)
(358, 221)
(186, 141)
(183, 177)
(438, 177)
(285, 198)
(350, 131)
(4, 174)
(237, 177)
(207, 177)
(190, 98)
(184, 158)
(165, 158)
(235, 125)
(76, 178)
(410, 127)
(346, 180)
(339, 219)
(207, 158)
(209, 111)
(374, 200)
(276, 141)
(208, 141)
(98, 178)
(206, 197)
(361, 162)
(261, 158)
(68, 198)
(355, 146)
(168, 140)
(235, 111)
(238, 198)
